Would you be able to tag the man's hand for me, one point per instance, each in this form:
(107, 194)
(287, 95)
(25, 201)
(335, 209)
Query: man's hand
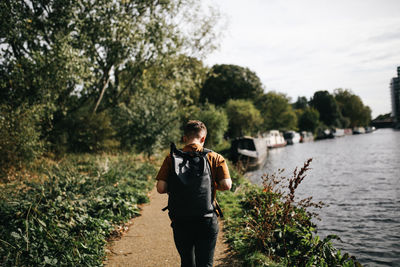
(224, 184)
(162, 187)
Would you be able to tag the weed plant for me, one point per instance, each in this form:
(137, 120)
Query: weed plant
(66, 220)
(269, 226)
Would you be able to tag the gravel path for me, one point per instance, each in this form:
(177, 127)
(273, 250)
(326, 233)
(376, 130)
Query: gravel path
(149, 241)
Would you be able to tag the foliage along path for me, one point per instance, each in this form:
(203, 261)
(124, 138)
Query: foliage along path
(149, 241)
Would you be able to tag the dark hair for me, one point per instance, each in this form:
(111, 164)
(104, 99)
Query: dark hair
(194, 128)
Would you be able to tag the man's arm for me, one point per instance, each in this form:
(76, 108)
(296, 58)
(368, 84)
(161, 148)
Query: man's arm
(162, 187)
(223, 178)
(162, 176)
(224, 184)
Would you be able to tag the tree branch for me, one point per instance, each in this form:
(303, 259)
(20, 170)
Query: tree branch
(102, 91)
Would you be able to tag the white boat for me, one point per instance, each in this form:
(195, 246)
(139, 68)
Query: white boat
(306, 137)
(291, 137)
(338, 132)
(359, 130)
(274, 138)
(251, 151)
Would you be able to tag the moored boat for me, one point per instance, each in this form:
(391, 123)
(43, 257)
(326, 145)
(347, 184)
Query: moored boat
(250, 151)
(274, 139)
(306, 137)
(359, 130)
(324, 134)
(338, 132)
(291, 137)
(348, 131)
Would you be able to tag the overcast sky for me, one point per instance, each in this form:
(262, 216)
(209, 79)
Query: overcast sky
(299, 47)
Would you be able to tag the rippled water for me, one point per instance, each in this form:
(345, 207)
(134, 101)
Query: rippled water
(358, 176)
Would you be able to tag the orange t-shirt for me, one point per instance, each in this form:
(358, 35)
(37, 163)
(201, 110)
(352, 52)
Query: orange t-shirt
(219, 169)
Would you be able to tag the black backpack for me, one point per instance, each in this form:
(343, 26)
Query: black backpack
(190, 185)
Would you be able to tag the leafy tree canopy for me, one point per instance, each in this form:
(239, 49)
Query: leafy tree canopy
(384, 116)
(276, 111)
(301, 103)
(97, 56)
(244, 118)
(309, 120)
(327, 107)
(352, 107)
(216, 121)
(230, 82)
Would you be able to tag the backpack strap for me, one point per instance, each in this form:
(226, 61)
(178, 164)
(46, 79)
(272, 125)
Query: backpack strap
(217, 208)
(206, 150)
(189, 153)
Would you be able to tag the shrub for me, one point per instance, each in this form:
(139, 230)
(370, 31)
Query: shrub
(84, 131)
(19, 135)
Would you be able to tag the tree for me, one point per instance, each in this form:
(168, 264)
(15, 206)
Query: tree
(366, 116)
(386, 116)
(181, 76)
(327, 107)
(309, 120)
(230, 82)
(244, 118)
(276, 111)
(352, 107)
(216, 122)
(68, 55)
(134, 35)
(301, 103)
(148, 122)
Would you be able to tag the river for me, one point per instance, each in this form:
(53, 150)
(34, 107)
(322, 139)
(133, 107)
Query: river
(358, 177)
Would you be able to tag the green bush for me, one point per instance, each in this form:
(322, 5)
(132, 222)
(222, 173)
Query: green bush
(19, 135)
(65, 220)
(84, 131)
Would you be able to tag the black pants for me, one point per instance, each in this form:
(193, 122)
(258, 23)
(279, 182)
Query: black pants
(195, 241)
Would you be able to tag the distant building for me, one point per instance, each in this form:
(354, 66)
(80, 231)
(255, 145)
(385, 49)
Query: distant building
(395, 92)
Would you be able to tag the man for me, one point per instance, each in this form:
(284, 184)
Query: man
(195, 237)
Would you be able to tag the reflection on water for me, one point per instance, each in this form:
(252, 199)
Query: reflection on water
(358, 177)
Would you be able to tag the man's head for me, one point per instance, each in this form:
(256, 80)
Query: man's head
(194, 131)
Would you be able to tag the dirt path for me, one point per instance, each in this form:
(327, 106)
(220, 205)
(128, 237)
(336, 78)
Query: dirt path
(149, 241)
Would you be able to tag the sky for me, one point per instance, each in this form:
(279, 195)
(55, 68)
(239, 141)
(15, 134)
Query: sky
(298, 47)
